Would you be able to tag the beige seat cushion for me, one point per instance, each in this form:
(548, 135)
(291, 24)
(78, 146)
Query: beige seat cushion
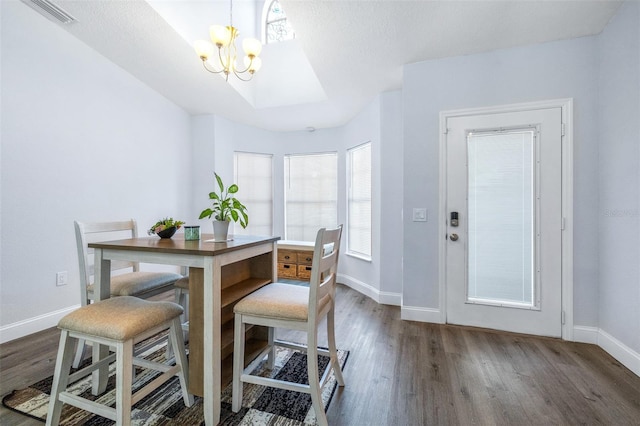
(277, 300)
(134, 283)
(119, 318)
(183, 283)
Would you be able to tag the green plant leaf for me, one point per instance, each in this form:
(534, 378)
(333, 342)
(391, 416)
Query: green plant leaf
(214, 196)
(233, 189)
(206, 213)
(220, 185)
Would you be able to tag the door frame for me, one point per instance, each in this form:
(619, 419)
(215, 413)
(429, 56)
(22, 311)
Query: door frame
(566, 106)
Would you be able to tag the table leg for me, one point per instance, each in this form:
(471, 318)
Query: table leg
(102, 287)
(212, 340)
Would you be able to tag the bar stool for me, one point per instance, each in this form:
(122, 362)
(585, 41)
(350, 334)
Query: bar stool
(119, 322)
(296, 308)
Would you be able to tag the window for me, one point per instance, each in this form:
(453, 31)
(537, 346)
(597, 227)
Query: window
(311, 194)
(276, 25)
(359, 201)
(253, 174)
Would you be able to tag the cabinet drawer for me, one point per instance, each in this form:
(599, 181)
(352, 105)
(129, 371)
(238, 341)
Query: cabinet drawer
(304, 272)
(286, 256)
(287, 270)
(305, 258)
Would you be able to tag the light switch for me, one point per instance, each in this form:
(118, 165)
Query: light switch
(420, 215)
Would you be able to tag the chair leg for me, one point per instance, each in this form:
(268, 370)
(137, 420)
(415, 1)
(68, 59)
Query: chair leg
(175, 336)
(99, 376)
(124, 380)
(333, 352)
(238, 363)
(314, 380)
(168, 354)
(81, 348)
(271, 357)
(60, 378)
(182, 299)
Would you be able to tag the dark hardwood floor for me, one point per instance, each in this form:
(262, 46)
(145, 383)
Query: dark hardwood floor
(409, 373)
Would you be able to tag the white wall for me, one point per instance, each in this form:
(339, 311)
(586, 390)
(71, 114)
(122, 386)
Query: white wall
(619, 187)
(565, 69)
(391, 193)
(81, 140)
(365, 127)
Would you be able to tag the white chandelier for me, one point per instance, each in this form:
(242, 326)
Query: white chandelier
(224, 38)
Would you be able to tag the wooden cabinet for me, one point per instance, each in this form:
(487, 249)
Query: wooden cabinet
(294, 260)
(287, 266)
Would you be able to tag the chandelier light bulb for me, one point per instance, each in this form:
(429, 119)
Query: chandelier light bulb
(252, 65)
(251, 46)
(220, 36)
(204, 49)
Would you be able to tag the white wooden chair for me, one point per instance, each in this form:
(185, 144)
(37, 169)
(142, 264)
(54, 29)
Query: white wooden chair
(120, 322)
(132, 282)
(293, 307)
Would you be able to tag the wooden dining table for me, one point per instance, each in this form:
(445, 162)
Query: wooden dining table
(220, 273)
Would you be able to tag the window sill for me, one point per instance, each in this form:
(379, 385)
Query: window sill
(359, 256)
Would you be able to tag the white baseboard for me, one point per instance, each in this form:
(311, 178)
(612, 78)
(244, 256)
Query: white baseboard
(416, 313)
(382, 297)
(621, 352)
(614, 347)
(33, 325)
(584, 334)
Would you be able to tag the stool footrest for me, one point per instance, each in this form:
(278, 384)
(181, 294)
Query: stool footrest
(89, 368)
(151, 365)
(86, 404)
(153, 385)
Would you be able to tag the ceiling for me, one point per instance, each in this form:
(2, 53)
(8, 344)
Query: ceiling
(354, 49)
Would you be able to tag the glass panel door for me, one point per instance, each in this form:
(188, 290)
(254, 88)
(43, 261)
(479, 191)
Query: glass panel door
(501, 222)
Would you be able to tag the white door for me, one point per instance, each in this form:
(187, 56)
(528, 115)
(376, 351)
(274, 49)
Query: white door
(504, 257)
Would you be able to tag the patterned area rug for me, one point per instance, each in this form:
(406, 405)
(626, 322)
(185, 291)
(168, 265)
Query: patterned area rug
(260, 406)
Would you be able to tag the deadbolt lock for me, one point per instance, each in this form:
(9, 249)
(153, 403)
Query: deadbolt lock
(454, 219)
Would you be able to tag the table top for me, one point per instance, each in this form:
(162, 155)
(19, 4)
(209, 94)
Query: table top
(205, 246)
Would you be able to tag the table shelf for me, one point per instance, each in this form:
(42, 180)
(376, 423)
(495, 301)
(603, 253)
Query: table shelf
(232, 294)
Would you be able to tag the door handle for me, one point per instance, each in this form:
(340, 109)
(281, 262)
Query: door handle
(453, 237)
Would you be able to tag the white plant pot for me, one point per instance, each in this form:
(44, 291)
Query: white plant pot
(221, 230)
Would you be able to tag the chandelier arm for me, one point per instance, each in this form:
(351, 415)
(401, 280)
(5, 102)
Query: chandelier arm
(225, 65)
(238, 76)
(211, 70)
(244, 70)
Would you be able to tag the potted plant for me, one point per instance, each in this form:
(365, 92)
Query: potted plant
(225, 209)
(165, 228)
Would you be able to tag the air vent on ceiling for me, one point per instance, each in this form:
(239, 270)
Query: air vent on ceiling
(51, 11)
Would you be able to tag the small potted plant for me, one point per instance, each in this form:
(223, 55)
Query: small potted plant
(225, 208)
(165, 228)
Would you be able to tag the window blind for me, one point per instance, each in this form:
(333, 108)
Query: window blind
(359, 201)
(311, 194)
(254, 176)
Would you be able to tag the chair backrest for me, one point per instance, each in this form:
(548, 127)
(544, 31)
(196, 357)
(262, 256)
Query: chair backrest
(324, 269)
(100, 231)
